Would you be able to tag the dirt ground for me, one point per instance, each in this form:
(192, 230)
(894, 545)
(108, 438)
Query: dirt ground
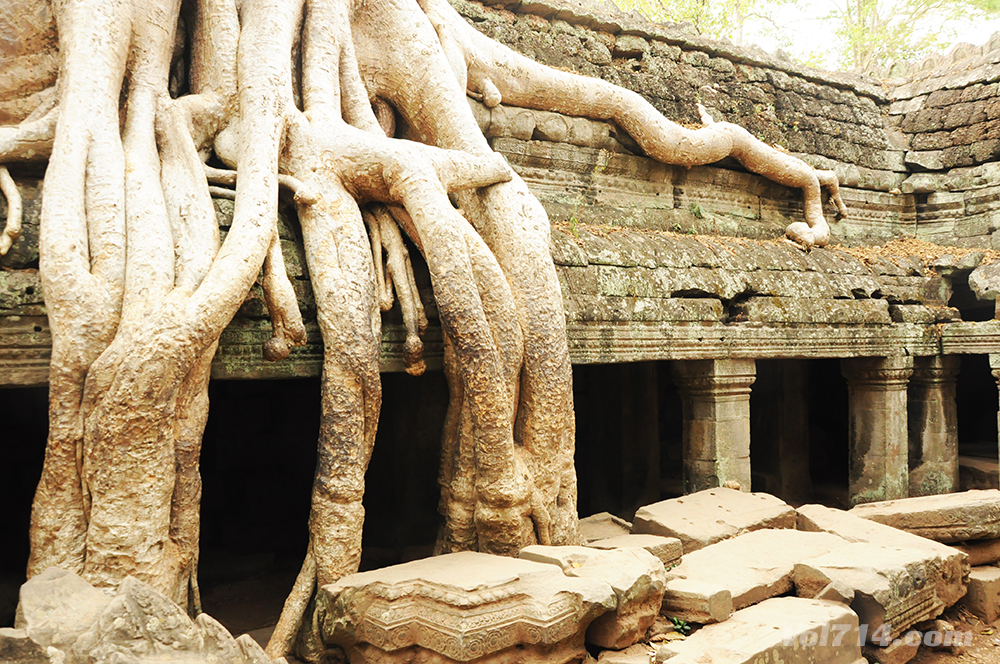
(985, 647)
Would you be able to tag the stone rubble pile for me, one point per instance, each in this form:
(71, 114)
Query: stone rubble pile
(756, 580)
(62, 619)
(765, 582)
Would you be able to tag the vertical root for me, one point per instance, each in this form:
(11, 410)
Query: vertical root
(282, 638)
(12, 230)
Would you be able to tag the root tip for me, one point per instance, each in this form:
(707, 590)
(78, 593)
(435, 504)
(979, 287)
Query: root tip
(275, 349)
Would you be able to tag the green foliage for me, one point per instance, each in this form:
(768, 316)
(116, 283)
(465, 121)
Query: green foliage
(866, 36)
(681, 626)
(876, 33)
(719, 19)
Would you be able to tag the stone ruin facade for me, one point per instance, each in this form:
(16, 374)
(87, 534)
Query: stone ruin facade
(662, 263)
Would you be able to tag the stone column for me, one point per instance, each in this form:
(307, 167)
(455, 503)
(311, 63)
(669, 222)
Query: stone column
(933, 425)
(878, 435)
(716, 399)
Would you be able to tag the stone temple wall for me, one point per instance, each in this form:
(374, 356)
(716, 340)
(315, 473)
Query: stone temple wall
(917, 154)
(946, 115)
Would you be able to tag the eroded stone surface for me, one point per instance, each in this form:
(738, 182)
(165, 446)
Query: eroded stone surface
(65, 619)
(950, 517)
(983, 597)
(603, 525)
(667, 549)
(463, 606)
(57, 606)
(709, 516)
(637, 577)
(780, 629)
(697, 601)
(893, 587)
(980, 552)
(753, 566)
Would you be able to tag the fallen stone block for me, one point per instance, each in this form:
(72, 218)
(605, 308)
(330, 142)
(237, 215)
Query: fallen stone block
(635, 654)
(942, 635)
(950, 517)
(952, 566)
(977, 473)
(894, 588)
(462, 606)
(667, 549)
(712, 515)
(899, 651)
(835, 591)
(752, 567)
(57, 606)
(603, 525)
(790, 630)
(983, 596)
(637, 577)
(68, 620)
(697, 601)
(980, 552)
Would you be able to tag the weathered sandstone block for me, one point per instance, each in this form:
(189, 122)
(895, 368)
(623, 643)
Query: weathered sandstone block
(894, 588)
(980, 552)
(983, 597)
(667, 549)
(603, 525)
(953, 565)
(637, 577)
(753, 566)
(709, 516)
(697, 601)
(70, 621)
(462, 607)
(790, 630)
(951, 517)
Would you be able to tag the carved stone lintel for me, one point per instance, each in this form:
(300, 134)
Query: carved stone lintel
(716, 400)
(878, 427)
(462, 607)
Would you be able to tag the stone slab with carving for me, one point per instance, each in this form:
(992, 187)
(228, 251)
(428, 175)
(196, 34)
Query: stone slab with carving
(752, 567)
(951, 517)
(637, 577)
(953, 565)
(462, 607)
(708, 516)
(894, 588)
(776, 630)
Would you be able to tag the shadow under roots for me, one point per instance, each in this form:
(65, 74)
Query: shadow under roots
(258, 459)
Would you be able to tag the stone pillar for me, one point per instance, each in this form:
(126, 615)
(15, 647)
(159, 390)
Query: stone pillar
(878, 434)
(933, 425)
(716, 399)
